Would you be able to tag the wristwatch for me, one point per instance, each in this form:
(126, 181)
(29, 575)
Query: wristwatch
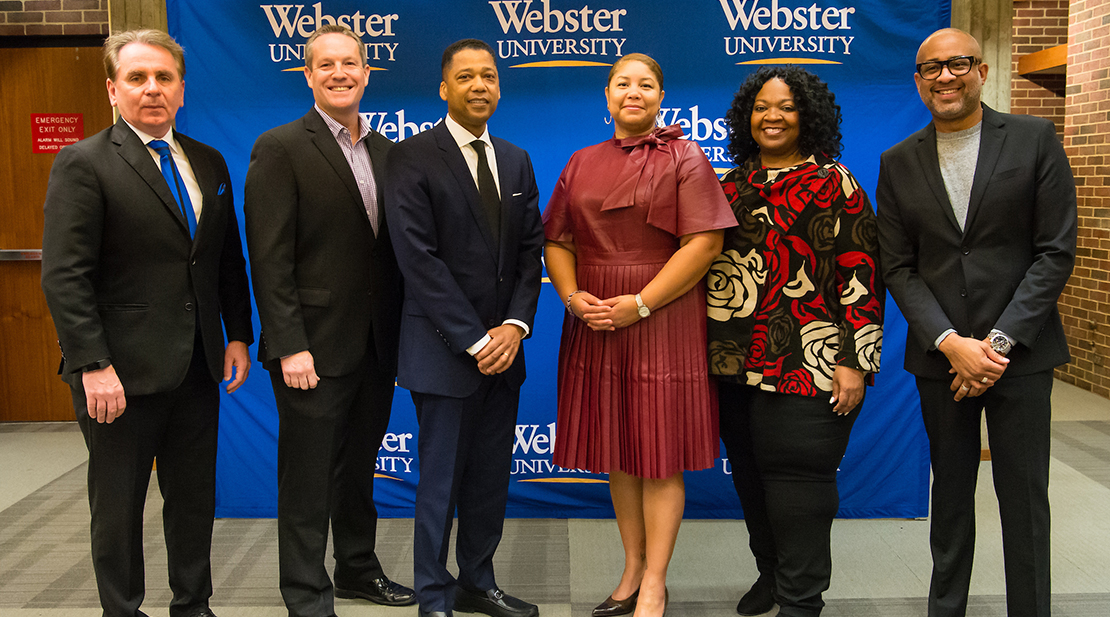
(642, 308)
(999, 343)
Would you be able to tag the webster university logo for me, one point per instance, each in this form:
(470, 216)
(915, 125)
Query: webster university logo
(791, 30)
(540, 34)
(289, 22)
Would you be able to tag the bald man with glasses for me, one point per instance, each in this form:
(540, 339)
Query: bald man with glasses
(977, 227)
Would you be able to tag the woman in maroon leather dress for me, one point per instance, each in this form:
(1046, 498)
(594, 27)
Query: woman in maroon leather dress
(632, 226)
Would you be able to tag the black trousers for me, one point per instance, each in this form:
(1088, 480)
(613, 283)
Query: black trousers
(328, 440)
(1019, 414)
(784, 451)
(466, 449)
(179, 429)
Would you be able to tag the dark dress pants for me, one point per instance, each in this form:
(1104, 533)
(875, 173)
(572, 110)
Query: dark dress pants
(328, 441)
(784, 451)
(1019, 414)
(466, 448)
(179, 429)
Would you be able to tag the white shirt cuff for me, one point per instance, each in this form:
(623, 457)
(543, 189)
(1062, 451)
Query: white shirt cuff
(476, 347)
(940, 339)
(517, 322)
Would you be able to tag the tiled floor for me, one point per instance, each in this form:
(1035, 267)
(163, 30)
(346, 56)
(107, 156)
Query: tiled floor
(567, 566)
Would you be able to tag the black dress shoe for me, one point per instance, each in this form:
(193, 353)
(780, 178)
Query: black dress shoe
(494, 603)
(381, 591)
(759, 599)
(203, 612)
(423, 613)
(613, 608)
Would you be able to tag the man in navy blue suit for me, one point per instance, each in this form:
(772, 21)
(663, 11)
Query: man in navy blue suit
(463, 210)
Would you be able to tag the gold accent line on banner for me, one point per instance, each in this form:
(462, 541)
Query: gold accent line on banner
(567, 481)
(300, 69)
(790, 61)
(382, 475)
(558, 63)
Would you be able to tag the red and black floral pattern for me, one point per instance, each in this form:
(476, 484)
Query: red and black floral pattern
(796, 291)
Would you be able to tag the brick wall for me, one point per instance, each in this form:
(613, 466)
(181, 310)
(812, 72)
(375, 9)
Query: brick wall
(1037, 25)
(53, 17)
(1085, 303)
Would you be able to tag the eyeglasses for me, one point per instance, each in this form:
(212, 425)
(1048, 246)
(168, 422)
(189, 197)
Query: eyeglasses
(960, 65)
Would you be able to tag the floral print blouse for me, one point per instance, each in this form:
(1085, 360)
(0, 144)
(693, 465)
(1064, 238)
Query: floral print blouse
(797, 290)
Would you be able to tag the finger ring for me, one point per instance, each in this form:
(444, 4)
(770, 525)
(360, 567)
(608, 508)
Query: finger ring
(506, 354)
(964, 387)
(984, 380)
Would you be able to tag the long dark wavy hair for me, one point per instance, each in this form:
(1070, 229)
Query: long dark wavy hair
(818, 113)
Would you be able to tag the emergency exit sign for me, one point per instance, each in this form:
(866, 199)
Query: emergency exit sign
(49, 132)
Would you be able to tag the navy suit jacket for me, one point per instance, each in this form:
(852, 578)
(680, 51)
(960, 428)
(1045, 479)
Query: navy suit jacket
(322, 280)
(1007, 269)
(457, 287)
(122, 277)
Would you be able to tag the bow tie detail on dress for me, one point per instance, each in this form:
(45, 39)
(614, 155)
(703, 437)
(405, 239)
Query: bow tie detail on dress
(648, 179)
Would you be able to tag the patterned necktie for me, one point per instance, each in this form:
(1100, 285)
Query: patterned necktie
(488, 189)
(173, 178)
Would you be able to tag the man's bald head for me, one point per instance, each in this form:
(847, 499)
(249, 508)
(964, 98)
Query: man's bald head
(947, 34)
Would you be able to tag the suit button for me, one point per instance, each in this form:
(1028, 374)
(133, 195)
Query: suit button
(963, 293)
(188, 306)
(966, 250)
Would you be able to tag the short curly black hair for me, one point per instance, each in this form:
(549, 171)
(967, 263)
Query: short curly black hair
(818, 113)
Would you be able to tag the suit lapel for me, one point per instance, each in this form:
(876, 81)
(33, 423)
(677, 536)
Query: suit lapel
(505, 164)
(454, 160)
(132, 150)
(206, 177)
(377, 163)
(991, 140)
(325, 142)
(930, 163)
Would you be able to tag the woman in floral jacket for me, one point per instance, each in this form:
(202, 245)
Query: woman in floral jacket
(795, 328)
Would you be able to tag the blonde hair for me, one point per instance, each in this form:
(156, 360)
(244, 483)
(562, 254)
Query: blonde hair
(333, 29)
(156, 38)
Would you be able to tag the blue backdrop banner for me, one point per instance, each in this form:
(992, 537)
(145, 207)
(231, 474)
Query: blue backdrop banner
(245, 75)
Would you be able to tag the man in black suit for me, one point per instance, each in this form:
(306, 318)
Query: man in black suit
(977, 224)
(140, 260)
(328, 295)
(463, 207)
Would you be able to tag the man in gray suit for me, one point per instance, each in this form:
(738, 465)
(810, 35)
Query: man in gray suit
(141, 259)
(977, 225)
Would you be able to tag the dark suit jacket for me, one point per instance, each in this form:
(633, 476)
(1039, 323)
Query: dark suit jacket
(457, 287)
(1007, 269)
(121, 276)
(321, 278)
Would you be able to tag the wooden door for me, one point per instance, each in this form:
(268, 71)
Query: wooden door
(66, 80)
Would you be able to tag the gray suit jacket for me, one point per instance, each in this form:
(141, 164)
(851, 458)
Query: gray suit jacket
(121, 276)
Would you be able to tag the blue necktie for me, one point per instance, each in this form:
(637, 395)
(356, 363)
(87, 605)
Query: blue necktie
(173, 178)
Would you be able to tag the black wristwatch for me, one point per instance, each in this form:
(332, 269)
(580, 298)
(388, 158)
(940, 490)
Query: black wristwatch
(1000, 343)
(96, 366)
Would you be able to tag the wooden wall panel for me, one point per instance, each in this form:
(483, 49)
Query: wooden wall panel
(35, 80)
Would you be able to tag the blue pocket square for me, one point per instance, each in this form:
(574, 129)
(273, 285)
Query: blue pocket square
(223, 187)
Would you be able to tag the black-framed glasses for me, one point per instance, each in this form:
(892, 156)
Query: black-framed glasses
(960, 65)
